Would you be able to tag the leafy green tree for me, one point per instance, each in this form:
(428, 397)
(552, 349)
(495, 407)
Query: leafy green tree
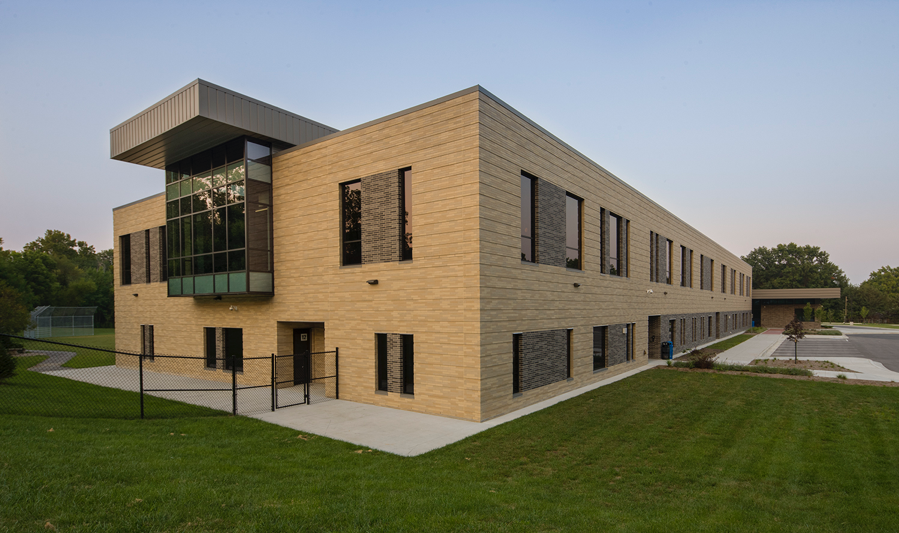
(14, 318)
(864, 314)
(807, 312)
(790, 266)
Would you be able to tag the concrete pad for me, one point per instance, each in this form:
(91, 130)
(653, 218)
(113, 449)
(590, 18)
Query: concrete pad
(758, 347)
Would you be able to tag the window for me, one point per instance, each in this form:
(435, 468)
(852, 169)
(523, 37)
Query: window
(723, 279)
(710, 326)
(408, 364)
(573, 208)
(351, 222)
(211, 348)
(668, 263)
(733, 281)
(218, 234)
(516, 363)
(528, 218)
(748, 286)
(693, 331)
(406, 176)
(381, 341)
(125, 258)
(683, 266)
(629, 342)
(233, 348)
(600, 333)
(147, 349)
(653, 256)
(614, 245)
(683, 331)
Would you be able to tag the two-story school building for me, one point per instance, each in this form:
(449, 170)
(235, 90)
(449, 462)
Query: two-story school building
(466, 262)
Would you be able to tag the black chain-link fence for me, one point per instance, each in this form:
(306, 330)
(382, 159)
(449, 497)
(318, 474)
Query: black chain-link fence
(78, 380)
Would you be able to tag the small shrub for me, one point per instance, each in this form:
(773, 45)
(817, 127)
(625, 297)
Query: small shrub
(701, 359)
(841, 376)
(682, 364)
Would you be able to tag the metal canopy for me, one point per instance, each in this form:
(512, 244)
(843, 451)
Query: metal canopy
(202, 115)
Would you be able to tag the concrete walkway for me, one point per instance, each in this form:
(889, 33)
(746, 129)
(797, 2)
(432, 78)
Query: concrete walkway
(834, 349)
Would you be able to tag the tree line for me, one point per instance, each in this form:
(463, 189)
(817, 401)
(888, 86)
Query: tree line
(55, 270)
(790, 266)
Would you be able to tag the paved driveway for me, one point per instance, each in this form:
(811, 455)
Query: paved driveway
(881, 348)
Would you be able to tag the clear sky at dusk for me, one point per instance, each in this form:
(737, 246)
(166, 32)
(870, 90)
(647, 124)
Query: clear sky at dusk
(756, 122)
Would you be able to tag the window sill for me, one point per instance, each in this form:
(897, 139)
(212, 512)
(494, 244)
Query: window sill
(381, 392)
(598, 370)
(359, 265)
(407, 396)
(516, 394)
(529, 263)
(580, 270)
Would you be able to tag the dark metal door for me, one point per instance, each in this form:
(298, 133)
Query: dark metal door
(301, 345)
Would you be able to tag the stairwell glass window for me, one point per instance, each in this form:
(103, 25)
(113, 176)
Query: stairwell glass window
(528, 218)
(351, 222)
(573, 214)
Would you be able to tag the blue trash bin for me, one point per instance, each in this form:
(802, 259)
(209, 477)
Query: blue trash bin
(667, 350)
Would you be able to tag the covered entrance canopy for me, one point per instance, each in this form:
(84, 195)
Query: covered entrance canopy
(775, 308)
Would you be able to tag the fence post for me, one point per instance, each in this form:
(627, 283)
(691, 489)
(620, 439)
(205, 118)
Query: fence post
(308, 377)
(233, 386)
(273, 382)
(141, 366)
(336, 373)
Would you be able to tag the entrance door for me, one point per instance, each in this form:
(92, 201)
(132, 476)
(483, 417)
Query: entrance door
(301, 342)
(655, 337)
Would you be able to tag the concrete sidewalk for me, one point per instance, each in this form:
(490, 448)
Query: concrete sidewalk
(758, 347)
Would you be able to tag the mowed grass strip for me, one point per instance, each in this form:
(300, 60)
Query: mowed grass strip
(660, 451)
(85, 354)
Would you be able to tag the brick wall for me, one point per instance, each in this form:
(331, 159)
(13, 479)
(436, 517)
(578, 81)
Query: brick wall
(778, 316)
(550, 224)
(394, 362)
(706, 274)
(617, 349)
(382, 220)
(544, 358)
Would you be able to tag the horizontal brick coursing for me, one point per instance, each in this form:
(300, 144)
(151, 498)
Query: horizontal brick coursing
(544, 358)
(617, 344)
(382, 220)
(550, 224)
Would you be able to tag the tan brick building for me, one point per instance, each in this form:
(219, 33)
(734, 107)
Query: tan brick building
(466, 262)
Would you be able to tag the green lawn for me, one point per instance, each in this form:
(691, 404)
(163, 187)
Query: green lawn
(887, 326)
(660, 451)
(103, 338)
(731, 342)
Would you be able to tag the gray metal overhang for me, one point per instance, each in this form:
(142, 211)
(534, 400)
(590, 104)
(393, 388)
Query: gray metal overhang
(202, 115)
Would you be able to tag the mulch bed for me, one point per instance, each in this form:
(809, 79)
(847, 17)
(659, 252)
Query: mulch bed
(808, 365)
(784, 376)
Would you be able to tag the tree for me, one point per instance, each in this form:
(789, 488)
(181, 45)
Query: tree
(864, 313)
(794, 332)
(14, 318)
(807, 312)
(790, 266)
(820, 314)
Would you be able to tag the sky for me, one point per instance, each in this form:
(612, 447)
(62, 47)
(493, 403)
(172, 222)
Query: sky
(758, 123)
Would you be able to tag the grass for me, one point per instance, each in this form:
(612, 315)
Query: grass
(757, 329)
(103, 338)
(823, 332)
(729, 343)
(660, 451)
(35, 394)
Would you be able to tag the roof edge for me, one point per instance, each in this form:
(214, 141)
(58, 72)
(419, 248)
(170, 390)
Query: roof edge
(129, 204)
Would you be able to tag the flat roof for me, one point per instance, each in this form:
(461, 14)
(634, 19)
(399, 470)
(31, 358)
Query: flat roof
(201, 115)
(779, 294)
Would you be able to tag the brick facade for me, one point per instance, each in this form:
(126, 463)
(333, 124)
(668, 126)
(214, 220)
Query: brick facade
(394, 362)
(550, 224)
(617, 347)
(544, 358)
(382, 218)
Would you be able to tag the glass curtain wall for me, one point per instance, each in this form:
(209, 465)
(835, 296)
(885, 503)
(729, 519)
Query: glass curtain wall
(218, 221)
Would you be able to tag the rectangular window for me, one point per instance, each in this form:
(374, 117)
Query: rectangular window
(710, 326)
(147, 349)
(749, 286)
(599, 347)
(516, 363)
(683, 331)
(683, 266)
(233, 339)
(408, 364)
(693, 331)
(406, 176)
(614, 245)
(652, 256)
(701, 272)
(629, 341)
(146, 256)
(528, 218)
(125, 258)
(573, 208)
(211, 351)
(723, 279)
(381, 347)
(351, 222)
(668, 263)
